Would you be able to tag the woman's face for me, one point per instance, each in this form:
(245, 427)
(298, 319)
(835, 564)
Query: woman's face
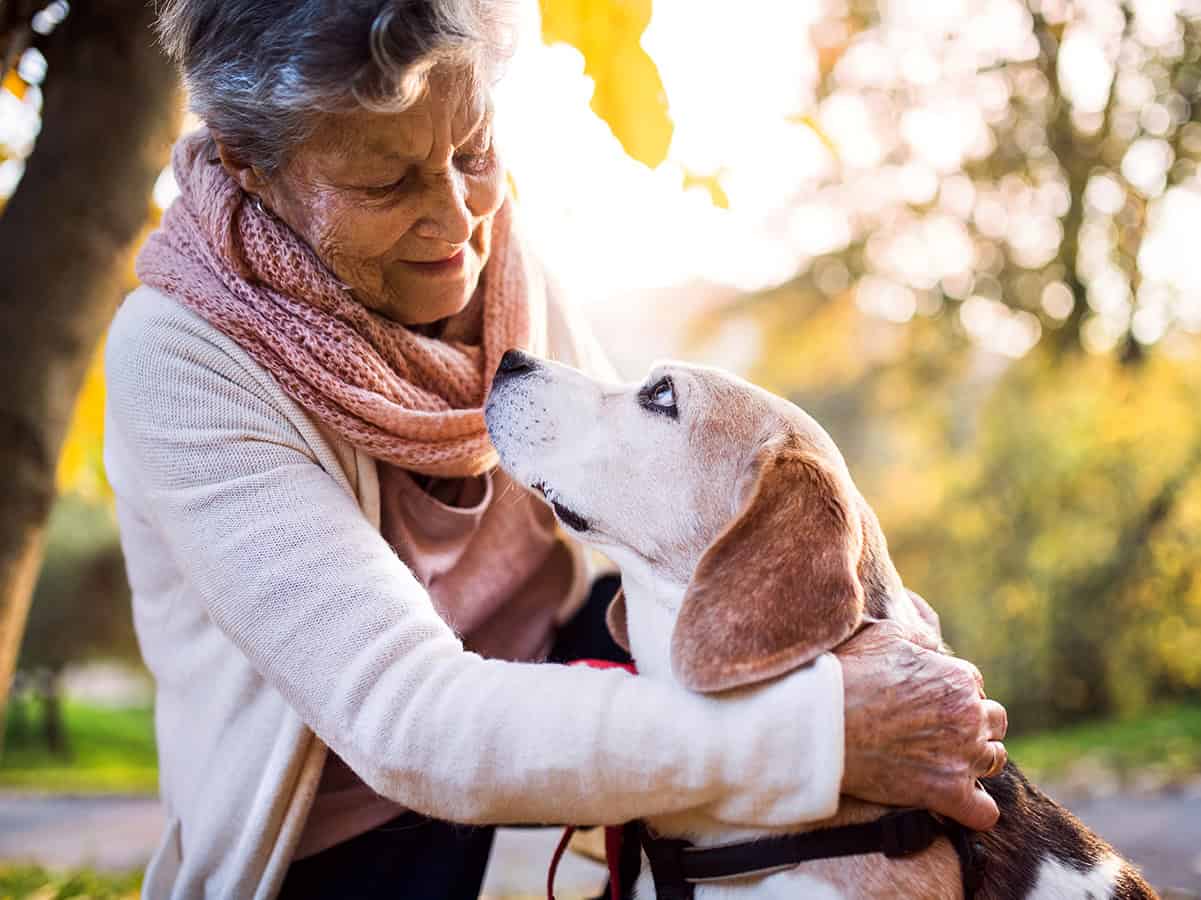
(399, 206)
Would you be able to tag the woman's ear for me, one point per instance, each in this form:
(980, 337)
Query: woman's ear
(779, 585)
(248, 177)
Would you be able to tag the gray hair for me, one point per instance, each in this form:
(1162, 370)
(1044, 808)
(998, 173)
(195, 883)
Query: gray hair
(256, 72)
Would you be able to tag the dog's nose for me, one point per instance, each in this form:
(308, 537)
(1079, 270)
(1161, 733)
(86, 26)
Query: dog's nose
(514, 362)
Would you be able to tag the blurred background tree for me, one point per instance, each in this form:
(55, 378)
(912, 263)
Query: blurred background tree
(81, 610)
(1000, 329)
(109, 111)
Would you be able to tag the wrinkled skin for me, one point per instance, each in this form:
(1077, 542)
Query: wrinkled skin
(379, 197)
(919, 731)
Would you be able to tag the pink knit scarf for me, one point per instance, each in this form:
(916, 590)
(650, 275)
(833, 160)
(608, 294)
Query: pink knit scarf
(405, 398)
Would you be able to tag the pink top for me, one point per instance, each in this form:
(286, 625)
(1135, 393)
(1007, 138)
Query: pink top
(498, 572)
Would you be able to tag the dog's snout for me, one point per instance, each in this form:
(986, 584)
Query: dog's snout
(515, 362)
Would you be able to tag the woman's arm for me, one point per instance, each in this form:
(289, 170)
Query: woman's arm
(305, 587)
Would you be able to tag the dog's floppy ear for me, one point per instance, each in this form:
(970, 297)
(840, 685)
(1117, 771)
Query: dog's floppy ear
(778, 586)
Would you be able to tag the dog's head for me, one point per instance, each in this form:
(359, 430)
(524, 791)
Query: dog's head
(712, 483)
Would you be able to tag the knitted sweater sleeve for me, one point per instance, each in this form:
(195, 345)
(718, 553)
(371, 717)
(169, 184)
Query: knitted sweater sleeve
(302, 584)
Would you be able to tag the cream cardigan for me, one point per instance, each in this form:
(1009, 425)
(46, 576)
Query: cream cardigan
(277, 622)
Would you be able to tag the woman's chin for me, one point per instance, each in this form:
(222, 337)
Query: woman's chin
(425, 304)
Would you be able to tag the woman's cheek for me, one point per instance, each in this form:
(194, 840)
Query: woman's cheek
(486, 192)
(368, 233)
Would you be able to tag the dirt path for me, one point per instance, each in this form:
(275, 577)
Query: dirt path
(1160, 831)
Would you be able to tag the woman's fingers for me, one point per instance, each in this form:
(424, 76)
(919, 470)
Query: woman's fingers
(883, 631)
(990, 760)
(977, 677)
(996, 720)
(968, 804)
(1000, 756)
(973, 808)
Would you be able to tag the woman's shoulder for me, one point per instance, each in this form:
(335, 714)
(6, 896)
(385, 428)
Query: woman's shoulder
(153, 336)
(160, 354)
(149, 322)
(169, 372)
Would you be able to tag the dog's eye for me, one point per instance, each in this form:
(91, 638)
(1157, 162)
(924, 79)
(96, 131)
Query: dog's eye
(660, 397)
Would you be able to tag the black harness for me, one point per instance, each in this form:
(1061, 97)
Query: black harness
(677, 866)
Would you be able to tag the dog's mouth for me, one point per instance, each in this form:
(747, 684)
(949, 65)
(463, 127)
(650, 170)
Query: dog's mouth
(566, 514)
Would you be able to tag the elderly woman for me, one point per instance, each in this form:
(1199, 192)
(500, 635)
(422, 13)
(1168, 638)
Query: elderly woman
(337, 592)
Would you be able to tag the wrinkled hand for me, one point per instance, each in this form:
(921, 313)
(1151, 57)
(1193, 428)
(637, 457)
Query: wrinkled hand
(919, 731)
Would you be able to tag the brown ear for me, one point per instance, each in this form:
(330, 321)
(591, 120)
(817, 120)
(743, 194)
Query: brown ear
(778, 586)
(615, 618)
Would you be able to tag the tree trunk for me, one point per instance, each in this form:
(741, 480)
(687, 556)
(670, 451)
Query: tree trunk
(54, 726)
(16, 31)
(111, 111)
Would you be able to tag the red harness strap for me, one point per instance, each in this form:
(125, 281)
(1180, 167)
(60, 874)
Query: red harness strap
(612, 832)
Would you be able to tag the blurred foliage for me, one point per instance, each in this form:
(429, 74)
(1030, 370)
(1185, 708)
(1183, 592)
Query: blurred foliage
(629, 93)
(81, 611)
(81, 607)
(36, 883)
(14, 85)
(112, 751)
(1001, 337)
(1164, 741)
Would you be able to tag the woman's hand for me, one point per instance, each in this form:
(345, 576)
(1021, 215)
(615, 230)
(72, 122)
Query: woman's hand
(919, 731)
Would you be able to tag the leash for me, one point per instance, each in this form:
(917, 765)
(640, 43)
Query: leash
(613, 833)
(677, 866)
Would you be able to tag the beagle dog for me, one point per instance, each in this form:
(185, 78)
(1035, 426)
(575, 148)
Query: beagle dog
(746, 551)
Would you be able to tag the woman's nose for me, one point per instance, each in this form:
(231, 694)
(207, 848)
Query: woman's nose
(446, 216)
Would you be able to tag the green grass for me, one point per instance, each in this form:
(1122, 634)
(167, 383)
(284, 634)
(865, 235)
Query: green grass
(20, 882)
(111, 751)
(1165, 738)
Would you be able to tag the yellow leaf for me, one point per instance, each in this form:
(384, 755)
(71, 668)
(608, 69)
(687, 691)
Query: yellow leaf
(81, 464)
(629, 94)
(14, 85)
(711, 183)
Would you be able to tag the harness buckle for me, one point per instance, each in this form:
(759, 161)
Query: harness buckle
(907, 832)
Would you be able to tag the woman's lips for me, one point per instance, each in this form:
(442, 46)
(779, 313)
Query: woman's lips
(452, 265)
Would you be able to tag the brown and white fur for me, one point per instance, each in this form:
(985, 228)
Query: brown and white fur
(745, 551)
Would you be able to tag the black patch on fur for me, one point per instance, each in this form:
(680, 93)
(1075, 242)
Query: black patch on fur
(1033, 828)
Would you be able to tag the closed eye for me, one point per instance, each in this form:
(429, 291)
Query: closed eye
(660, 398)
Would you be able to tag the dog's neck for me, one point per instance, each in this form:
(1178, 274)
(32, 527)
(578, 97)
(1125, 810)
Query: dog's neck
(653, 602)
